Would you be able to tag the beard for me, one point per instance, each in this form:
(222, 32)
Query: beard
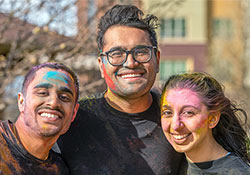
(42, 130)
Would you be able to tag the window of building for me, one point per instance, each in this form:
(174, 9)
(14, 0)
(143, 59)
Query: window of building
(222, 28)
(171, 67)
(173, 28)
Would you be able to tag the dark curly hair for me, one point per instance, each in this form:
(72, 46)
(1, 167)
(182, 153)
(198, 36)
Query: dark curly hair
(53, 65)
(229, 132)
(127, 15)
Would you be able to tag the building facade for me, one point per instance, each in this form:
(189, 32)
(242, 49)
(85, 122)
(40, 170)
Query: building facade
(182, 35)
(226, 41)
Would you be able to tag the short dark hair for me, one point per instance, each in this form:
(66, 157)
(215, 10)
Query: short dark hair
(228, 132)
(53, 65)
(127, 15)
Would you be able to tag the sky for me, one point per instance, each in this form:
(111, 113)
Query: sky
(33, 12)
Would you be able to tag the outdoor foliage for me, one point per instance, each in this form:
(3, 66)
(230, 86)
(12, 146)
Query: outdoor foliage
(32, 32)
(36, 31)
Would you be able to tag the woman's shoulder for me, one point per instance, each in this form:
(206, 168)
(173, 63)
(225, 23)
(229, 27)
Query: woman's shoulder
(234, 160)
(233, 164)
(230, 164)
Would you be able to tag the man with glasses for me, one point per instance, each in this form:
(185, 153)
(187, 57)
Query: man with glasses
(118, 56)
(118, 132)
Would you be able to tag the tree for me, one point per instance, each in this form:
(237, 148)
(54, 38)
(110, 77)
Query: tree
(36, 31)
(32, 32)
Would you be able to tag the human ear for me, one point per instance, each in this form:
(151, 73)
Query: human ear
(75, 112)
(158, 60)
(20, 102)
(100, 66)
(213, 119)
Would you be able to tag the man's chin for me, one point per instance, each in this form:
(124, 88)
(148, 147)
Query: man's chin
(50, 133)
(132, 94)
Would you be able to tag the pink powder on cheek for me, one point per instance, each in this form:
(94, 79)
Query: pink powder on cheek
(165, 124)
(201, 126)
(109, 82)
(165, 128)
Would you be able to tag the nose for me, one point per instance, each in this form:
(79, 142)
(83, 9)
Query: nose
(130, 62)
(53, 101)
(176, 123)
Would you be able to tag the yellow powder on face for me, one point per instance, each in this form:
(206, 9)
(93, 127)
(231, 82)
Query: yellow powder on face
(199, 130)
(201, 126)
(164, 102)
(44, 126)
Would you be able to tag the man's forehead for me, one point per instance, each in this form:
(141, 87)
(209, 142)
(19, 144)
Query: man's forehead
(53, 76)
(118, 36)
(49, 73)
(56, 75)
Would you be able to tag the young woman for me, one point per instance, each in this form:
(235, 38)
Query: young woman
(200, 121)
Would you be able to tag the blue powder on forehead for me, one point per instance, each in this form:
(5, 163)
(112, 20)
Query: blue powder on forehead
(56, 76)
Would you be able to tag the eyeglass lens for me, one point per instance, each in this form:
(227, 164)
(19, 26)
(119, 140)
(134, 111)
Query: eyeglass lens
(141, 54)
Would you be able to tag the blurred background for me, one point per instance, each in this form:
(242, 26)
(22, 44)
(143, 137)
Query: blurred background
(211, 36)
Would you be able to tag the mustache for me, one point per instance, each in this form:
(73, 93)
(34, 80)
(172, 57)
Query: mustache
(124, 69)
(128, 68)
(54, 109)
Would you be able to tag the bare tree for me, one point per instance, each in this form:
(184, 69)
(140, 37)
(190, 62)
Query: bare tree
(36, 31)
(33, 32)
(228, 50)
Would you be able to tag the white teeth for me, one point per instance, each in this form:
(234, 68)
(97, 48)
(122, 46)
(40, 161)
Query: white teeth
(179, 137)
(130, 75)
(48, 115)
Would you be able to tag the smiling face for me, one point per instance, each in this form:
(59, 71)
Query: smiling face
(131, 79)
(185, 120)
(48, 107)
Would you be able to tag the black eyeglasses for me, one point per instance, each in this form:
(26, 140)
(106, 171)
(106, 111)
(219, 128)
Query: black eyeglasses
(118, 56)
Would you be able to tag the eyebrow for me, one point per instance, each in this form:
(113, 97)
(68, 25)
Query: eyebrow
(165, 107)
(120, 47)
(47, 86)
(192, 106)
(140, 46)
(185, 106)
(43, 85)
(65, 89)
(115, 48)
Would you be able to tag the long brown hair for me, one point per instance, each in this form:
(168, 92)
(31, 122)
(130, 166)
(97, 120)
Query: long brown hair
(229, 132)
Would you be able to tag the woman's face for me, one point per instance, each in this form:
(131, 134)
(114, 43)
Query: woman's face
(185, 120)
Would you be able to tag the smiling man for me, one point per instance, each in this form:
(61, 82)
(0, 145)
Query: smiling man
(118, 131)
(47, 105)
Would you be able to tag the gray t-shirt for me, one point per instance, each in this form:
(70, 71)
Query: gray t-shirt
(227, 165)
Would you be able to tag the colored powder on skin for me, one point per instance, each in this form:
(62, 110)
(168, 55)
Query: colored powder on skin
(109, 82)
(198, 131)
(201, 126)
(56, 76)
(44, 127)
(164, 101)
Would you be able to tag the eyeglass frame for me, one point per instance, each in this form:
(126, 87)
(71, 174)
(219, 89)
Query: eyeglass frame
(127, 53)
